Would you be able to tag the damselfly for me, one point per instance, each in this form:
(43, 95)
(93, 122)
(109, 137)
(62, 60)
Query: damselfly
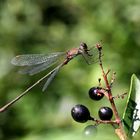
(36, 63)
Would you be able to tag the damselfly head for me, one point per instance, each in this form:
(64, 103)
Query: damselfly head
(83, 46)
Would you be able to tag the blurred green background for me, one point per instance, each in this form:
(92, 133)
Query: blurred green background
(43, 26)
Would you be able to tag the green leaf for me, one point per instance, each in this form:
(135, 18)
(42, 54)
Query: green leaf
(131, 116)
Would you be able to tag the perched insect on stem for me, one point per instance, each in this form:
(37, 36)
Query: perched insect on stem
(36, 63)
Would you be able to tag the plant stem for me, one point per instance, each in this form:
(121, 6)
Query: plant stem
(119, 131)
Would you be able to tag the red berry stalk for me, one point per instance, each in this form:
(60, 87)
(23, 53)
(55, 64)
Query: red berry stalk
(120, 130)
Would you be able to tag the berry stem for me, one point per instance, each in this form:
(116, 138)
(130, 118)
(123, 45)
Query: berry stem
(105, 122)
(119, 131)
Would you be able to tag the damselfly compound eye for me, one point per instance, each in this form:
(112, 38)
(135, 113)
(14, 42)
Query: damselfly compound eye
(95, 93)
(83, 46)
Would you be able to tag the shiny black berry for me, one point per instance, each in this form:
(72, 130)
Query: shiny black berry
(95, 93)
(80, 113)
(90, 131)
(105, 113)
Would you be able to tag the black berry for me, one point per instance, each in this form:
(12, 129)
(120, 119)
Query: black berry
(95, 93)
(90, 130)
(105, 113)
(80, 113)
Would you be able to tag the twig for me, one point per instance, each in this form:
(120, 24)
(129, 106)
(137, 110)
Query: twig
(119, 131)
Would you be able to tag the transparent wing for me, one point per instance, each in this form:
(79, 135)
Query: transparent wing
(36, 69)
(52, 75)
(35, 59)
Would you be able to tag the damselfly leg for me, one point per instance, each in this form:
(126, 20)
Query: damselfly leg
(92, 55)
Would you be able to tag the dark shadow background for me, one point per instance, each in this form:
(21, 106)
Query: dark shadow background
(43, 26)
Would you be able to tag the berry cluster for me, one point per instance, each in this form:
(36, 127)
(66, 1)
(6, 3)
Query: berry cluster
(81, 114)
